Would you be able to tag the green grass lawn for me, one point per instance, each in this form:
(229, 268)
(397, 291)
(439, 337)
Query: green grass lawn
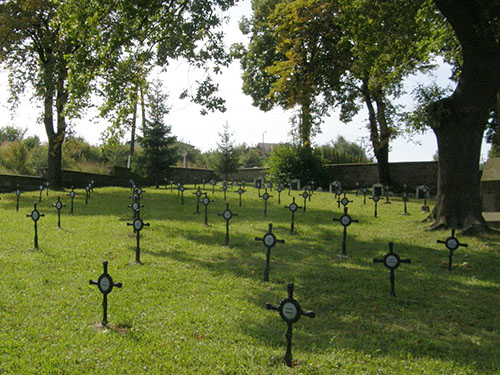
(197, 307)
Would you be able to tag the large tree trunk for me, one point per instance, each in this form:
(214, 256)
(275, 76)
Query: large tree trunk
(458, 203)
(379, 139)
(459, 121)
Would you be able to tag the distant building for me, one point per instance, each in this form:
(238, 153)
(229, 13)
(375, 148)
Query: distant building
(267, 147)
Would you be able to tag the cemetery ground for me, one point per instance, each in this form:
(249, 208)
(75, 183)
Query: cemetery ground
(196, 306)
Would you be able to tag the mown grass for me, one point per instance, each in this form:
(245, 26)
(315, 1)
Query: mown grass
(195, 306)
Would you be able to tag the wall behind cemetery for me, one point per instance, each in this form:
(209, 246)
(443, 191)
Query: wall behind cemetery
(8, 182)
(411, 173)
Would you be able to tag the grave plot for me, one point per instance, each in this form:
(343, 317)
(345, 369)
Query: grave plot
(269, 240)
(227, 215)
(105, 284)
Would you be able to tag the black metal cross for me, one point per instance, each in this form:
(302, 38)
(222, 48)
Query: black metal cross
(172, 183)
(375, 200)
(227, 215)
(135, 206)
(198, 195)
(279, 189)
(357, 188)
(386, 188)
(269, 241)
(290, 311)
(213, 183)
(206, 201)
(182, 189)
(344, 201)
(47, 188)
(138, 225)
(345, 220)
(304, 195)
(87, 194)
(58, 205)
(203, 182)
(18, 194)
(105, 284)
(35, 216)
(392, 261)
(452, 244)
(265, 196)
(224, 189)
(72, 195)
(364, 196)
(240, 191)
(425, 190)
(293, 207)
(405, 199)
(289, 186)
(41, 191)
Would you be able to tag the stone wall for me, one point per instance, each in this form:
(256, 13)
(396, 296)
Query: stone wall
(8, 182)
(411, 173)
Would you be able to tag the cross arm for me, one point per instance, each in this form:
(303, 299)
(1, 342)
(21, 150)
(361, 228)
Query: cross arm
(118, 285)
(405, 260)
(354, 221)
(309, 314)
(92, 282)
(463, 244)
(271, 306)
(280, 241)
(146, 224)
(376, 260)
(440, 241)
(256, 238)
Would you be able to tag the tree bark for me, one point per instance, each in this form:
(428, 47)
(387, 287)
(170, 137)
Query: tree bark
(459, 121)
(379, 139)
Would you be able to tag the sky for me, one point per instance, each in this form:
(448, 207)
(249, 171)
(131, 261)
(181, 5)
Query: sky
(247, 123)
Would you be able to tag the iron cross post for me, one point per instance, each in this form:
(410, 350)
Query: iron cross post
(290, 311)
(35, 216)
(227, 215)
(269, 241)
(293, 207)
(105, 284)
(345, 220)
(452, 244)
(392, 261)
(58, 205)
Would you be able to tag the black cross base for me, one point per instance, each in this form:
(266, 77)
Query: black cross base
(269, 240)
(293, 207)
(290, 311)
(227, 215)
(105, 284)
(392, 261)
(345, 220)
(452, 244)
(58, 205)
(138, 225)
(35, 216)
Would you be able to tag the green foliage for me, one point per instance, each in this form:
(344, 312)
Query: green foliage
(226, 158)
(250, 157)
(342, 151)
(14, 157)
(289, 162)
(115, 154)
(11, 134)
(158, 150)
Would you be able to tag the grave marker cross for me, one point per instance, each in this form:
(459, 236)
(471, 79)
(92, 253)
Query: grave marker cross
(240, 191)
(279, 189)
(87, 194)
(227, 215)
(290, 311)
(386, 188)
(364, 196)
(206, 201)
(224, 189)
(405, 199)
(18, 194)
(452, 244)
(182, 189)
(135, 206)
(392, 261)
(265, 196)
(213, 183)
(375, 199)
(105, 284)
(58, 205)
(72, 195)
(345, 220)
(344, 201)
(138, 225)
(293, 207)
(304, 195)
(35, 216)
(269, 240)
(198, 195)
(425, 190)
(47, 188)
(41, 190)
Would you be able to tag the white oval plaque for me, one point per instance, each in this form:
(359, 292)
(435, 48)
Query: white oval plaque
(104, 284)
(269, 240)
(289, 311)
(391, 261)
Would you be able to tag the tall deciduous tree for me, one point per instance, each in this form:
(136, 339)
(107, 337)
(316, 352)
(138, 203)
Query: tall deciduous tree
(35, 49)
(459, 120)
